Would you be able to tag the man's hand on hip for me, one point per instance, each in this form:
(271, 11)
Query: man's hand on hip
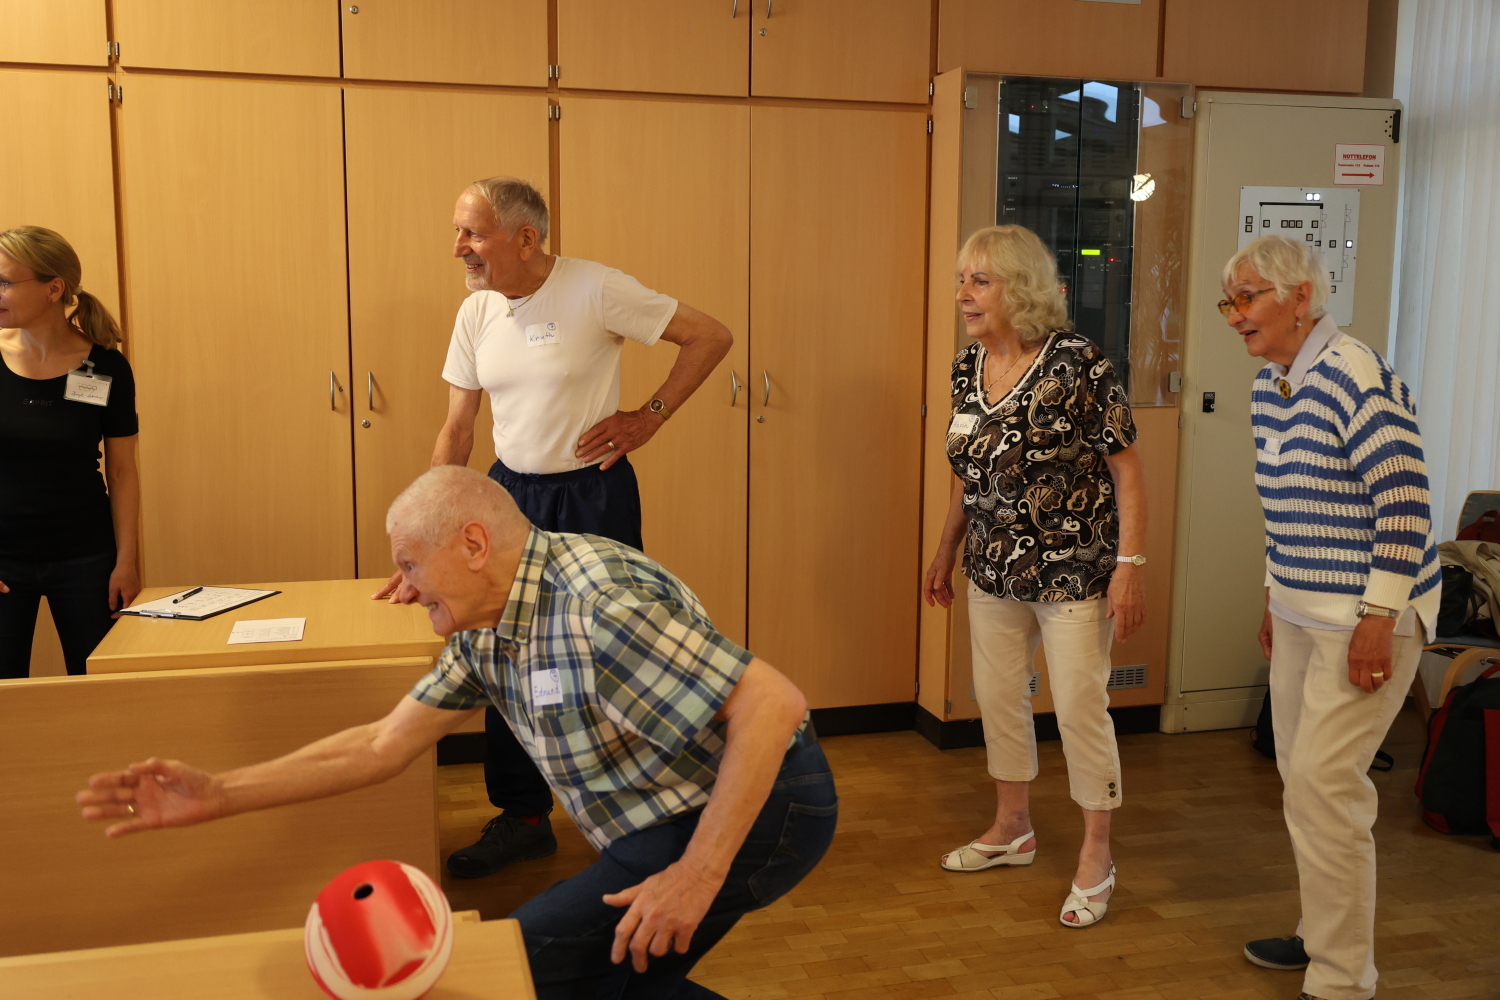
(1370, 653)
(664, 912)
(618, 435)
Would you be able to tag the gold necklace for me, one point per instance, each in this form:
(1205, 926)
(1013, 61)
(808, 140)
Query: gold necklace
(990, 384)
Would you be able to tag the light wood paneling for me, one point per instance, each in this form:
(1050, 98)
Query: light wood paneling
(836, 280)
(64, 181)
(841, 49)
(234, 229)
(1108, 41)
(54, 31)
(411, 153)
(46, 647)
(293, 37)
(666, 46)
(1324, 50)
(342, 623)
(447, 41)
(68, 887)
(489, 959)
(661, 190)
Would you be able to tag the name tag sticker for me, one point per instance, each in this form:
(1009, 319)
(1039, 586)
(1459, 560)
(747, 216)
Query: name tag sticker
(83, 388)
(542, 334)
(546, 687)
(964, 423)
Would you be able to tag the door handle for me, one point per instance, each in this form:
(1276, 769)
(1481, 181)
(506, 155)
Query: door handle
(767, 376)
(370, 390)
(333, 384)
(734, 387)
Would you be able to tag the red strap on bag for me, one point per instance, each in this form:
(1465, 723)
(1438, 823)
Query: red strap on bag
(1485, 528)
(1492, 770)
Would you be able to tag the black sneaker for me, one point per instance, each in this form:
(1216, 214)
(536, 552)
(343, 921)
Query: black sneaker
(1284, 953)
(503, 842)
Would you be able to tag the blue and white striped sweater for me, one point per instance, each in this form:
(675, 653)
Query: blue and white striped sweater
(1343, 484)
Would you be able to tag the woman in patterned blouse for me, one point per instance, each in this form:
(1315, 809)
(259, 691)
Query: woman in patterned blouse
(1048, 501)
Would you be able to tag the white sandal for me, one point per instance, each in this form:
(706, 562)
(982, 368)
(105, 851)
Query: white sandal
(1079, 905)
(970, 860)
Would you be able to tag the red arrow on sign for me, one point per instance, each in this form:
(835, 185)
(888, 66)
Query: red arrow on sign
(1358, 175)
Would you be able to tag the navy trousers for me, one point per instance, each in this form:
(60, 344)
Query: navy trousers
(583, 502)
(77, 591)
(569, 929)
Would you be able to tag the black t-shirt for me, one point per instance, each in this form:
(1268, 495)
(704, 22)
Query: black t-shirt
(53, 502)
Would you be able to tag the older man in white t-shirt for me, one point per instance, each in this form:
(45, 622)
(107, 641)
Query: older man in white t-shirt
(542, 335)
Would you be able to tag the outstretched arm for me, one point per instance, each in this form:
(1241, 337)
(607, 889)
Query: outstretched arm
(160, 793)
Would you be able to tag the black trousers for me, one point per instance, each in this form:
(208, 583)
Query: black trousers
(584, 502)
(77, 591)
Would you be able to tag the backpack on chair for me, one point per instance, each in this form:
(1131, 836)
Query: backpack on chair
(1459, 784)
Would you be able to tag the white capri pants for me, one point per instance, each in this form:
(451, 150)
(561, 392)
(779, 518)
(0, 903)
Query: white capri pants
(1004, 635)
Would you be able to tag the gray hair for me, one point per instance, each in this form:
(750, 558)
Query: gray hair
(441, 501)
(515, 204)
(1285, 264)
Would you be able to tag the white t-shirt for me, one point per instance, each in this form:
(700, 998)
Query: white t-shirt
(553, 369)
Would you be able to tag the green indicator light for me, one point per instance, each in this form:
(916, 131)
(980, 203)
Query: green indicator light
(1090, 253)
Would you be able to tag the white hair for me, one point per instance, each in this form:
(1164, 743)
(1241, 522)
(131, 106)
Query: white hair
(1285, 264)
(441, 501)
(515, 204)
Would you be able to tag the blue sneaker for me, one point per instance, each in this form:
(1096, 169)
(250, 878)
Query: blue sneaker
(1283, 953)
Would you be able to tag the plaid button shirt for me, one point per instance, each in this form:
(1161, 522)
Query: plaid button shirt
(609, 673)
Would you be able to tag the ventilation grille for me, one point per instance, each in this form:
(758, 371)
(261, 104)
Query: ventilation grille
(1127, 677)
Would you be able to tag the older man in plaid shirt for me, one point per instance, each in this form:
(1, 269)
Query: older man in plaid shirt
(687, 761)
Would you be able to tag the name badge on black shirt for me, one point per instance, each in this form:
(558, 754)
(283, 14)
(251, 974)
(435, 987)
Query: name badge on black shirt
(93, 389)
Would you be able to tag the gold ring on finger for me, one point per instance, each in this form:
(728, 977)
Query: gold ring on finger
(1379, 675)
(611, 445)
(130, 808)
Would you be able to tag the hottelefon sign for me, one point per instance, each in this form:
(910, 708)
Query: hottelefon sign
(1359, 163)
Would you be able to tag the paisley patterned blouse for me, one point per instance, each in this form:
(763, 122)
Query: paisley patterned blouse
(1043, 525)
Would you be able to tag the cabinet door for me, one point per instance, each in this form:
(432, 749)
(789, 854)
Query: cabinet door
(407, 167)
(57, 31)
(836, 297)
(841, 49)
(233, 196)
(661, 190)
(666, 46)
(1200, 42)
(294, 37)
(1099, 41)
(447, 41)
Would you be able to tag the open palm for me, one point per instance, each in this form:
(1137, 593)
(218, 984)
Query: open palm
(150, 795)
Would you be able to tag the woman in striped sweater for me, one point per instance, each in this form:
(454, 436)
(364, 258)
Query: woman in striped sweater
(1351, 591)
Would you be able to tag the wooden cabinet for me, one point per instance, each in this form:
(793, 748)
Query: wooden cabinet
(661, 190)
(57, 31)
(447, 41)
(665, 46)
(836, 300)
(233, 216)
(1101, 41)
(292, 37)
(410, 155)
(841, 49)
(1214, 43)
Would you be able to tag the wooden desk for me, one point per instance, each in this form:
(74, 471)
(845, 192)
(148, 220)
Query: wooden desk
(489, 961)
(66, 886)
(342, 624)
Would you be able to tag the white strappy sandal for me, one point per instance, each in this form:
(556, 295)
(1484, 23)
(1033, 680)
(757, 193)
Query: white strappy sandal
(1078, 904)
(969, 859)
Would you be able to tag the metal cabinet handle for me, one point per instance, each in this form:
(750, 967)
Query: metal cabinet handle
(370, 390)
(333, 384)
(734, 387)
(767, 376)
(734, 10)
(768, 8)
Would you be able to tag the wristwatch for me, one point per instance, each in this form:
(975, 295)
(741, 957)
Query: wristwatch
(1133, 560)
(1362, 609)
(658, 407)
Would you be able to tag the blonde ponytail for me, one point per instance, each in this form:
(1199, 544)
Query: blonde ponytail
(51, 256)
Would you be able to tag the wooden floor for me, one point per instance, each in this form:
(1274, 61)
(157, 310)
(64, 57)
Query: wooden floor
(1204, 865)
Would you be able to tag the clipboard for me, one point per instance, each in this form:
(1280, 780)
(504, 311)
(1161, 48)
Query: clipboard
(207, 603)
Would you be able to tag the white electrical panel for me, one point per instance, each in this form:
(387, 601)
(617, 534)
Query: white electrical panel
(1326, 219)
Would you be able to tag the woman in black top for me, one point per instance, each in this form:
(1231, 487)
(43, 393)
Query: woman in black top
(63, 388)
(1048, 507)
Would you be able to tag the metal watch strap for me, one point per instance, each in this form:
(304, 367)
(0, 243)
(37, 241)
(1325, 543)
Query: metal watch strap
(658, 406)
(1363, 609)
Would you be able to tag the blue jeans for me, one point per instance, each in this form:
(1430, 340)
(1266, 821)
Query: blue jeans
(569, 930)
(77, 591)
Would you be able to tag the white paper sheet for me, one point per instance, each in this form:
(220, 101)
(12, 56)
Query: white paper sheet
(267, 630)
(208, 601)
